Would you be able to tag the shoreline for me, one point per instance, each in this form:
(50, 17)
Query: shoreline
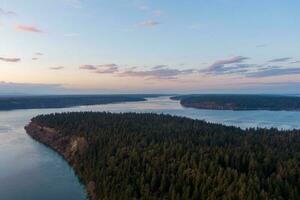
(64, 146)
(240, 102)
(225, 108)
(57, 102)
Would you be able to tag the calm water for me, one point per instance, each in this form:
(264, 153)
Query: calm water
(28, 170)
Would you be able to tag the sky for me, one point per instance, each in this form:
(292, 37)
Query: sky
(149, 46)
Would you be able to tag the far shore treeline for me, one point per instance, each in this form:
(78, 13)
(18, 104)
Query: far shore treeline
(62, 101)
(240, 102)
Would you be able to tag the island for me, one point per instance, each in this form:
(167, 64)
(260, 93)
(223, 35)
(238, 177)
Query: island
(156, 156)
(63, 101)
(240, 102)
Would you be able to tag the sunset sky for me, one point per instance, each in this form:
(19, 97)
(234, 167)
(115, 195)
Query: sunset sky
(154, 46)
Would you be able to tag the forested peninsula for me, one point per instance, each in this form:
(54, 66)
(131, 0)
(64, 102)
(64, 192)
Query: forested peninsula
(63, 101)
(152, 156)
(240, 102)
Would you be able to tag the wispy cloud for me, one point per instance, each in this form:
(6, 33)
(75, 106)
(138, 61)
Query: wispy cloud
(231, 60)
(284, 59)
(14, 60)
(274, 71)
(26, 28)
(37, 55)
(236, 65)
(57, 68)
(108, 70)
(88, 67)
(155, 72)
(233, 69)
(5, 12)
(101, 69)
(149, 23)
(108, 65)
(159, 67)
(220, 66)
(158, 72)
(295, 62)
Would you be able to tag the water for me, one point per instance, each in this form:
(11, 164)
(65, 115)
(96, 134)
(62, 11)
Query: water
(29, 170)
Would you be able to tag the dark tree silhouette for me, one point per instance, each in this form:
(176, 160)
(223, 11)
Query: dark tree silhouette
(151, 156)
(240, 102)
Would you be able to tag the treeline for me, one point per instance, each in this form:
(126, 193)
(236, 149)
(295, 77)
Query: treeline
(62, 101)
(240, 102)
(151, 156)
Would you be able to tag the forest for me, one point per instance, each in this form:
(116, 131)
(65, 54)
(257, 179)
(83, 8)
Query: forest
(62, 101)
(157, 156)
(240, 102)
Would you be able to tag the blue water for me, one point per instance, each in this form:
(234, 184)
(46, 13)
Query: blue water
(31, 171)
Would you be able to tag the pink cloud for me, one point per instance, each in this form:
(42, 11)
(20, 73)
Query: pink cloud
(26, 28)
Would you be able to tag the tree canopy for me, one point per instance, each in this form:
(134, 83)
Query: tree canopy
(152, 156)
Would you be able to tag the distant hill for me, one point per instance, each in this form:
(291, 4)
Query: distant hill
(149, 156)
(240, 102)
(62, 101)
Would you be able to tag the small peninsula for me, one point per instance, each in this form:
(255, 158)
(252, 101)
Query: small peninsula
(240, 102)
(155, 156)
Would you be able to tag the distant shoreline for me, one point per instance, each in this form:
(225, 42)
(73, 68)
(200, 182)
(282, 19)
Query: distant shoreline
(65, 101)
(240, 102)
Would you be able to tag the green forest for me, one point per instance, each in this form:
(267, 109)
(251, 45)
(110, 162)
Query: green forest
(240, 102)
(156, 156)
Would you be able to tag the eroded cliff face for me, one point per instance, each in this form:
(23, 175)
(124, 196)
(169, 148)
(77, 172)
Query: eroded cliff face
(70, 147)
